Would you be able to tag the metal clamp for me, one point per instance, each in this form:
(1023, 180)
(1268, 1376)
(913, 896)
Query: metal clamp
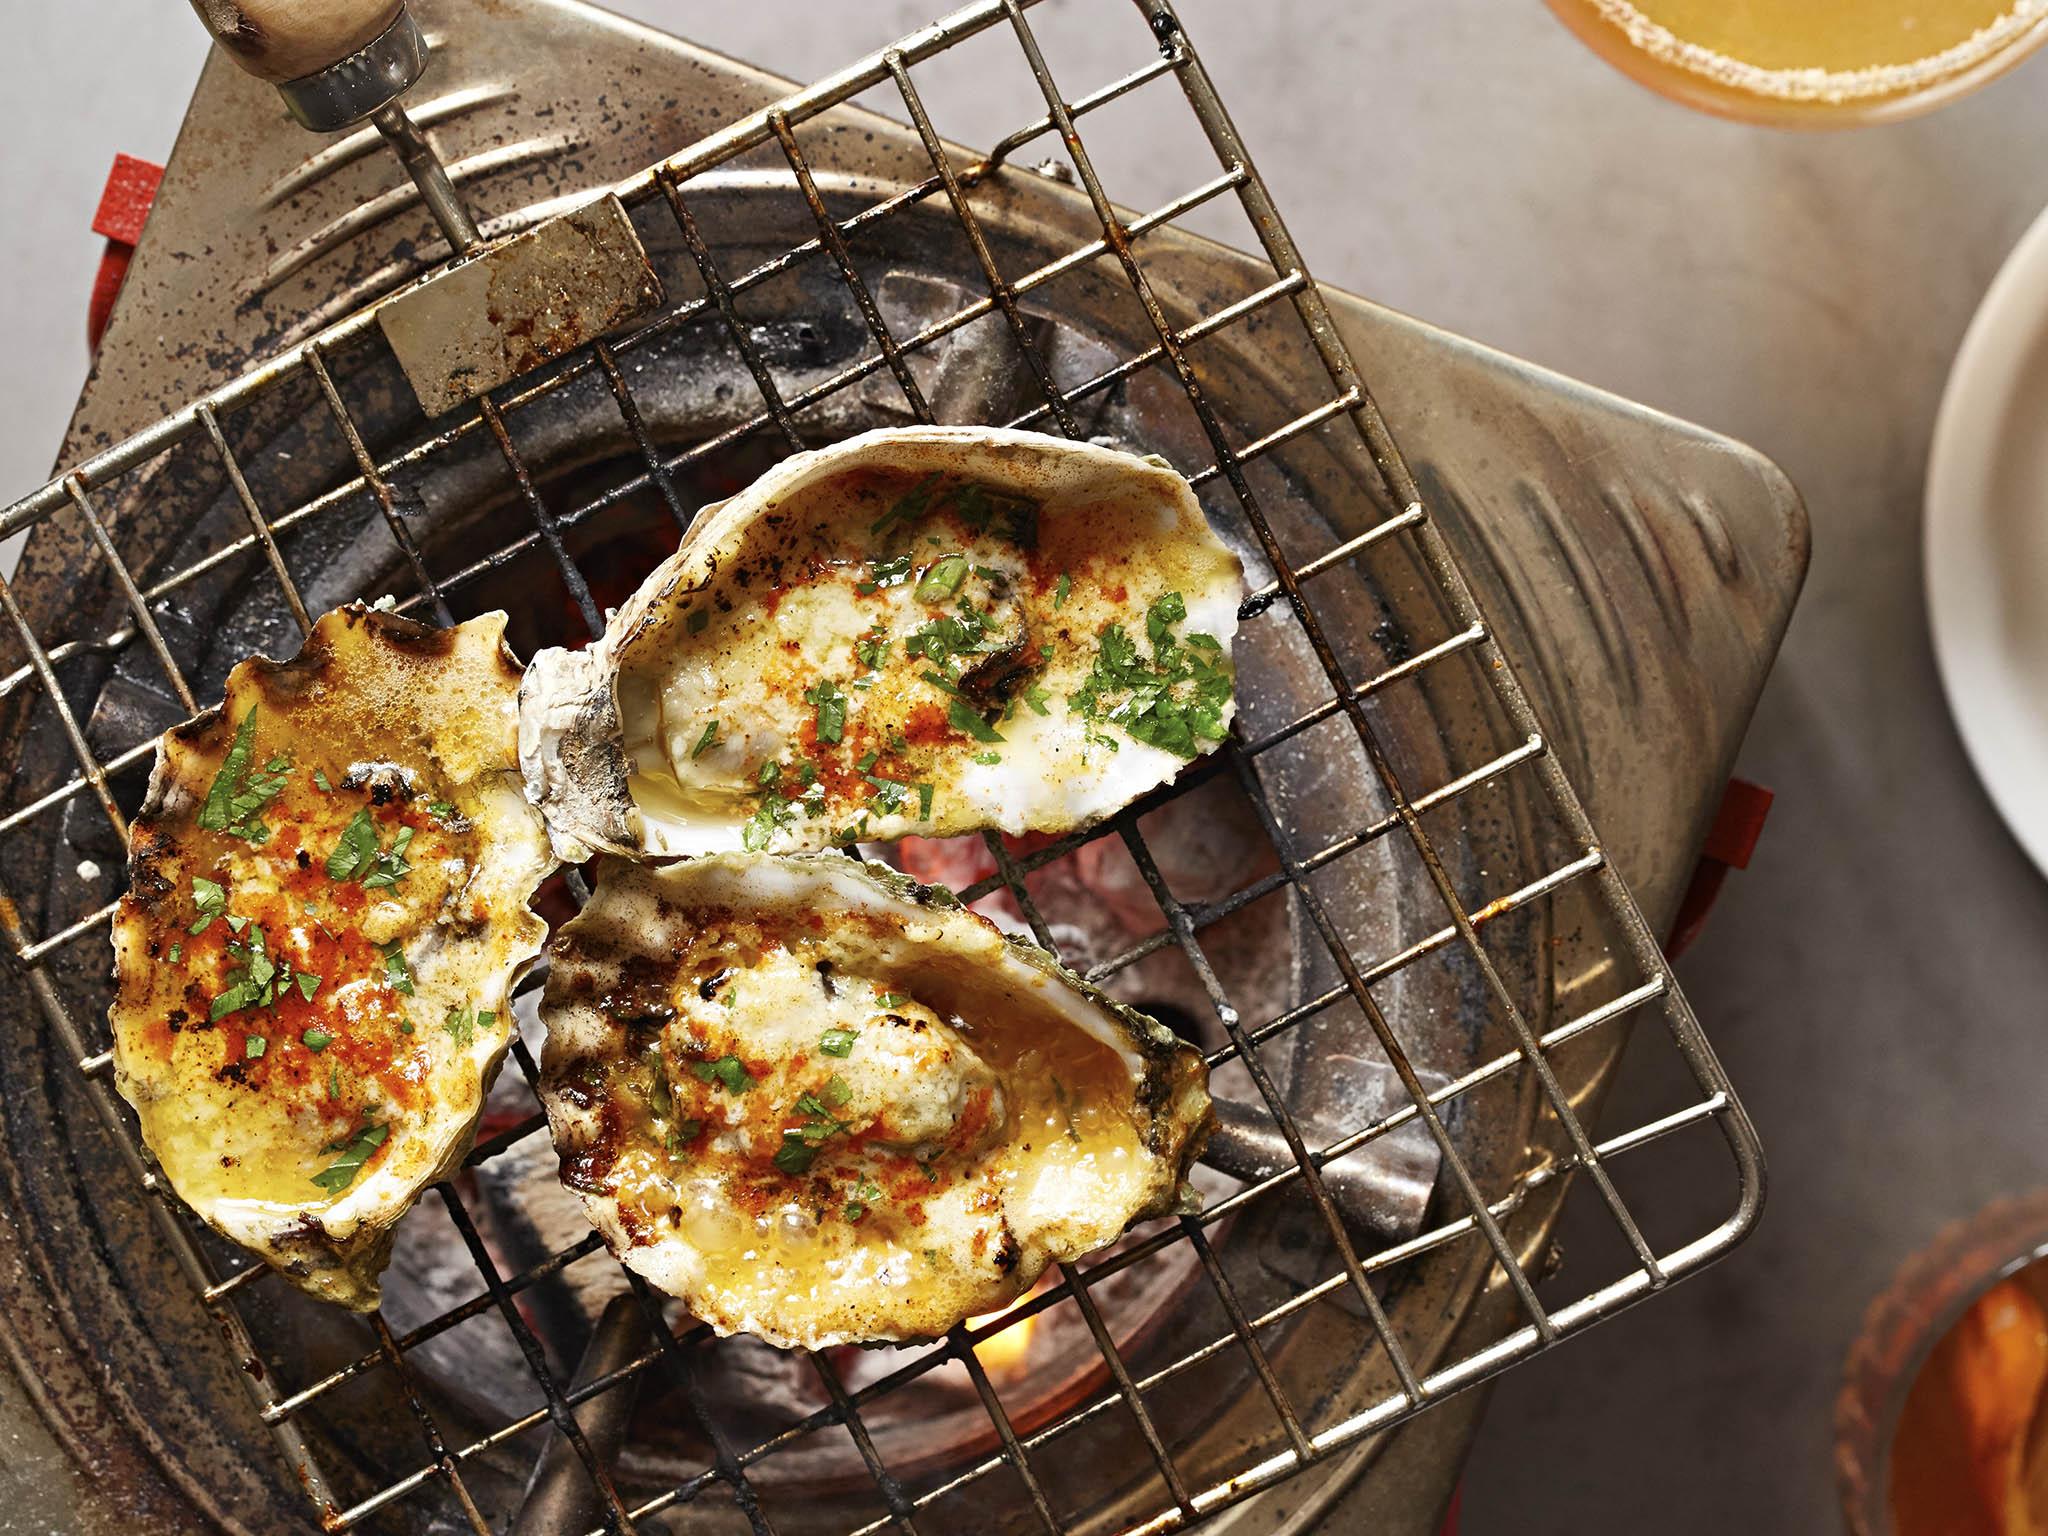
(357, 86)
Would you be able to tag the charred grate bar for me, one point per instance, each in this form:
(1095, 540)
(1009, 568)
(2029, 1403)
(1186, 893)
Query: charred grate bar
(1466, 1213)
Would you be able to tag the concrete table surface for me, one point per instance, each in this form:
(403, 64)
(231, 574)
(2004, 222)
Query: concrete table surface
(1876, 981)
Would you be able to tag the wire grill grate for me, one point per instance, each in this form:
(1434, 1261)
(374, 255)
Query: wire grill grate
(1465, 1213)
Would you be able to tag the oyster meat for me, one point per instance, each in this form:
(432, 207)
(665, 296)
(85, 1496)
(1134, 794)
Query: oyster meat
(327, 907)
(929, 630)
(821, 1103)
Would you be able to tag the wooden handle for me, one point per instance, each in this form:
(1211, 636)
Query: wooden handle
(280, 40)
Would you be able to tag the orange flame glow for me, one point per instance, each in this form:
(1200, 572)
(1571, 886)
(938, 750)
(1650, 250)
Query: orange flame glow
(1001, 1354)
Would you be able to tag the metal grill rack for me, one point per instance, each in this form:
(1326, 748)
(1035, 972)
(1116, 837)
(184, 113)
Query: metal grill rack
(1464, 1213)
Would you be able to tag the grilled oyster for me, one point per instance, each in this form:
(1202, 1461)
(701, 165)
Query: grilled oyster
(931, 630)
(822, 1103)
(326, 908)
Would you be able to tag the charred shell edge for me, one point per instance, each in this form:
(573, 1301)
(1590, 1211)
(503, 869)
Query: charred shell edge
(282, 678)
(263, 674)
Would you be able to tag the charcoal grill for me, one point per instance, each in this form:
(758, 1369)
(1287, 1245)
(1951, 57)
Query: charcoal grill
(1415, 949)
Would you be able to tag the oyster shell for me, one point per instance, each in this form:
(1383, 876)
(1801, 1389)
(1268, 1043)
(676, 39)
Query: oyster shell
(327, 907)
(822, 1103)
(930, 630)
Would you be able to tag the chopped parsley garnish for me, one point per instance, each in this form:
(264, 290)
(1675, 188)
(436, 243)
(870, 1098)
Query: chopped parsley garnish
(463, 1022)
(1174, 701)
(405, 1026)
(321, 783)
(774, 812)
(961, 713)
(729, 1071)
(658, 1092)
(940, 640)
(239, 792)
(397, 974)
(831, 706)
(355, 1151)
(255, 979)
(891, 1000)
(316, 1039)
(1061, 592)
(1167, 610)
(334, 1081)
(254, 1047)
(963, 716)
(770, 774)
(941, 579)
(806, 770)
(908, 508)
(888, 795)
(210, 899)
(800, 1143)
(705, 742)
(892, 572)
(698, 618)
(977, 506)
(358, 857)
(838, 1042)
(924, 802)
(988, 759)
(795, 1155)
(864, 1194)
(1036, 697)
(177, 952)
(872, 650)
(442, 811)
(729, 998)
(391, 864)
(1012, 517)
(308, 984)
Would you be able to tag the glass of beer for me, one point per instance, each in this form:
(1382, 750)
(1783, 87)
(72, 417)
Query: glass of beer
(1811, 63)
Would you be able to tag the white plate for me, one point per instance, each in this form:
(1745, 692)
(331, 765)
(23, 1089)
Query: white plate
(1987, 541)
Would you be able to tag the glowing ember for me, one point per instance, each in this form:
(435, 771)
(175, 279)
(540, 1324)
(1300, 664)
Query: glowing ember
(1001, 1354)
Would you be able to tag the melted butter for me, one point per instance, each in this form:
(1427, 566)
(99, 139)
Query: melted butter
(1064, 1137)
(659, 793)
(257, 1128)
